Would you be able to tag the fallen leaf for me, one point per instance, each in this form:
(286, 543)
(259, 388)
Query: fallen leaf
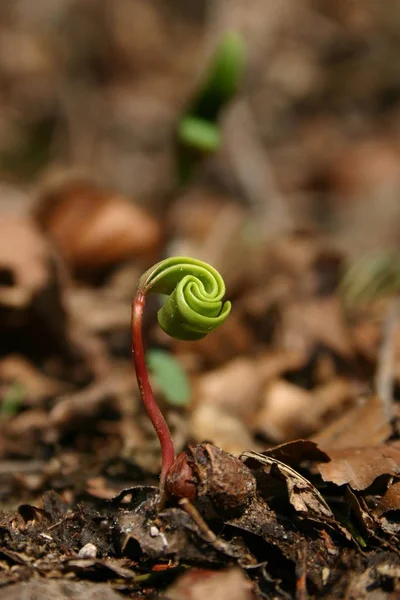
(95, 228)
(303, 496)
(366, 424)
(390, 500)
(224, 430)
(36, 385)
(198, 584)
(359, 467)
(234, 388)
(285, 412)
(59, 590)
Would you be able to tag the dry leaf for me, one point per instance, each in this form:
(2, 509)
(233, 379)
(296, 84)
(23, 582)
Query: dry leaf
(24, 261)
(33, 317)
(363, 425)
(198, 584)
(94, 228)
(303, 496)
(36, 385)
(390, 500)
(359, 467)
(234, 388)
(208, 422)
(288, 411)
(284, 413)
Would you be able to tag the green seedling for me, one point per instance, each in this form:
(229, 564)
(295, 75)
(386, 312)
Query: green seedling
(199, 132)
(194, 307)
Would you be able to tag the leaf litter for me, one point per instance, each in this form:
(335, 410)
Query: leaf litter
(301, 383)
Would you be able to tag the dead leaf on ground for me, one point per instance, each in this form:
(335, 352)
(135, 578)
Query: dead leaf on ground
(390, 500)
(229, 341)
(25, 259)
(93, 228)
(359, 467)
(224, 430)
(366, 424)
(59, 590)
(289, 411)
(33, 316)
(198, 584)
(303, 496)
(234, 388)
(284, 412)
(37, 386)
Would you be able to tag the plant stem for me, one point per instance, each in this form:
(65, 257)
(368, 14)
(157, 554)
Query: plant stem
(151, 406)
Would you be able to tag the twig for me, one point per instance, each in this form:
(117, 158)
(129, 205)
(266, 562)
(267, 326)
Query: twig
(384, 377)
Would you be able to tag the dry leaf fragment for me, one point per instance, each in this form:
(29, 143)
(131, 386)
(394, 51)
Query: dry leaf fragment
(36, 385)
(303, 496)
(59, 590)
(297, 452)
(198, 584)
(390, 500)
(24, 261)
(94, 228)
(33, 318)
(284, 413)
(224, 430)
(359, 467)
(366, 424)
(289, 411)
(316, 321)
(234, 388)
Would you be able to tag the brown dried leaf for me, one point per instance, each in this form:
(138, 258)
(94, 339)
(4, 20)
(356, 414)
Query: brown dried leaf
(36, 385)
(296, 452)
(59, 590)
(363, 425)
(289, 411)
(24, 261)
(284, 413)
(390, 500)
(33, 317)
(224, 430)
(361, 512)
(319, 321)
(234, 388)
(303, 496)
(94, 228)
(85, 404)
(230, 340)
(198, 584)
(359, 467)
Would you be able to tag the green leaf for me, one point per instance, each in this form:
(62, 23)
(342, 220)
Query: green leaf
(170, 376)
(199, 134)
(199, 131)
(194, 306)
(12, 400)
(222, 79)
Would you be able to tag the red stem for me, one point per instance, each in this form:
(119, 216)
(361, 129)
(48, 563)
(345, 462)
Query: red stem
(151, 406)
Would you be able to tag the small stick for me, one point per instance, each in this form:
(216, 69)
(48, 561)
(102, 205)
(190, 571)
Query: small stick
(384, 377)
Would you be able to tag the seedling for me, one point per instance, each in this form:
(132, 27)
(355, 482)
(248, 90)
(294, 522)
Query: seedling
(194, 307)
(199, 129)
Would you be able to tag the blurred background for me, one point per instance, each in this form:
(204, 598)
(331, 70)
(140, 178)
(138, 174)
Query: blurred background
(260, 136)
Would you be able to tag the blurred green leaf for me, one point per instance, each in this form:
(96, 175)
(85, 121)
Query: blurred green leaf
(222, 79)
(371, 277)
(12, 400)
(170, 376)
(199, 134)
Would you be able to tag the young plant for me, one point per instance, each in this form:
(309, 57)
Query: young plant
(194, 307)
